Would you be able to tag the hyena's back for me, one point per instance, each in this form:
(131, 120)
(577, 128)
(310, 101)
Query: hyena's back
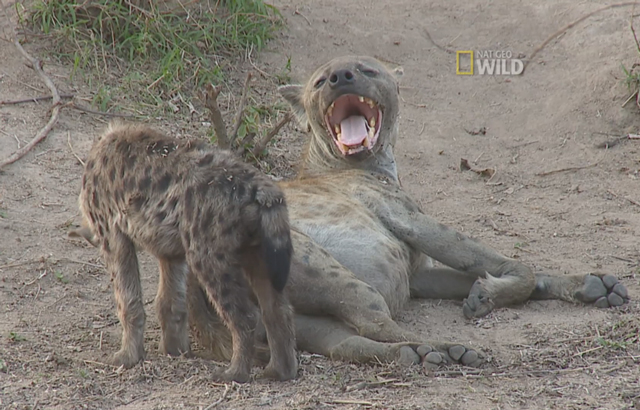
(191, 205)
(153, 187)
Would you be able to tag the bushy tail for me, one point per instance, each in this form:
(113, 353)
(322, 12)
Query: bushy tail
(276, 243)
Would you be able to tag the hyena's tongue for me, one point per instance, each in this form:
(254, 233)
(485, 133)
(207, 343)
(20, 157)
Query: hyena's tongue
(353, 130)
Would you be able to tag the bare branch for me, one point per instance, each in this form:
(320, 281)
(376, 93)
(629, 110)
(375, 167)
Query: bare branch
(55, 108)
(262, 144)
(210, 97)
(35, 99)
(240, 112)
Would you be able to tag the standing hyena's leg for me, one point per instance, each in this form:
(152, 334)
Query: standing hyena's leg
(119, 254)
(171, 304)
(277, 316)
(228, 290)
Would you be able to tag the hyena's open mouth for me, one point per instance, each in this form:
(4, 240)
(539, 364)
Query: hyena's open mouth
(354, 122)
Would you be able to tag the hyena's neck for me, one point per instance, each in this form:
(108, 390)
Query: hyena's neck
(320, 159)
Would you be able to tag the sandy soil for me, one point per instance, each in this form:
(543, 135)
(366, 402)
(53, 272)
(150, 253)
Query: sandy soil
(57, 316)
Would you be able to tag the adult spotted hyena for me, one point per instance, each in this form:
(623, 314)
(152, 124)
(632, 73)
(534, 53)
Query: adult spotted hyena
(200, 210)
(363, 245)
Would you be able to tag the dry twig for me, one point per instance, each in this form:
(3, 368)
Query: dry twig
(262, 144)
(71, 148)
(14, 265)
(220, 400)
(341, 401)
(570, 25)
(556, 171)
(35, 99)
(302, 15)
(210, 98)
(55, 108)
(244, 141)
(240, 112)
(633, 201)
(485, 172)
(446, 50)
(367, 384)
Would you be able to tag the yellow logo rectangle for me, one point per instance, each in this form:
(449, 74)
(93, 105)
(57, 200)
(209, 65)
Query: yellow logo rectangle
(460, 72)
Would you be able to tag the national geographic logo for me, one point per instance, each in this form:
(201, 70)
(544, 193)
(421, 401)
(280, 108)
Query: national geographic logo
(488, 63)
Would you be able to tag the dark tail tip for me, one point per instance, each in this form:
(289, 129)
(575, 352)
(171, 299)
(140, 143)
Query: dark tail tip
(278, 261)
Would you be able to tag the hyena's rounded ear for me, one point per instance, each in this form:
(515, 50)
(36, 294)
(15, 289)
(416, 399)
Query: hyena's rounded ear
(293, 94)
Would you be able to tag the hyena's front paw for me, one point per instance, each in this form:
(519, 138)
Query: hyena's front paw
(478, 303)
(231, 375)
(603, 291)
(127, 358)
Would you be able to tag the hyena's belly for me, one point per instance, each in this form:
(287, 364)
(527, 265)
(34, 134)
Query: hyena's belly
(366, 249)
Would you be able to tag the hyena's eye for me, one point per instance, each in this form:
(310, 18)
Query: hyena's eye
(319, 82)
(369, 72)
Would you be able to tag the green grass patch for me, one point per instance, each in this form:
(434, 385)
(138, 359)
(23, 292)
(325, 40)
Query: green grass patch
(632, 77)
(125, 48)
(60, 277)
(15, 337)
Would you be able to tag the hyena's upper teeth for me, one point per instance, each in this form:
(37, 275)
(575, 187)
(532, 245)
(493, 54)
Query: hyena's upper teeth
(361, 98)
(372, 122)
(330, 111)
(337, 129)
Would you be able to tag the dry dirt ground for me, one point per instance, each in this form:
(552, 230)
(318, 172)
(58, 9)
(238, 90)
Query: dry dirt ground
(57, 316)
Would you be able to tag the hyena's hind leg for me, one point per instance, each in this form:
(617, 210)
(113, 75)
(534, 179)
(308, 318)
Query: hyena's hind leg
(277, 317)
(171, 305)
(119, 254)
(602, 290)
(227, 289)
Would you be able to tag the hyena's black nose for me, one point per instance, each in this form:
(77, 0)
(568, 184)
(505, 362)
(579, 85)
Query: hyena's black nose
(340, 78)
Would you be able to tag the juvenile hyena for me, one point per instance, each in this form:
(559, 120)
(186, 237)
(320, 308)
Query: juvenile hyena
(198, 210)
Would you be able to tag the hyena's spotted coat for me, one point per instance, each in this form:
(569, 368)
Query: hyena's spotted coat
(196, 209)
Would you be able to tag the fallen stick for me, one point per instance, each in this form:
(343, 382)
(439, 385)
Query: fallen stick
(72, 151)
(556, 171)
(570, 25)
(346, 401)
(35, 99)
(220, 400)
(633, 201)
(55, 109)
(14, 265)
